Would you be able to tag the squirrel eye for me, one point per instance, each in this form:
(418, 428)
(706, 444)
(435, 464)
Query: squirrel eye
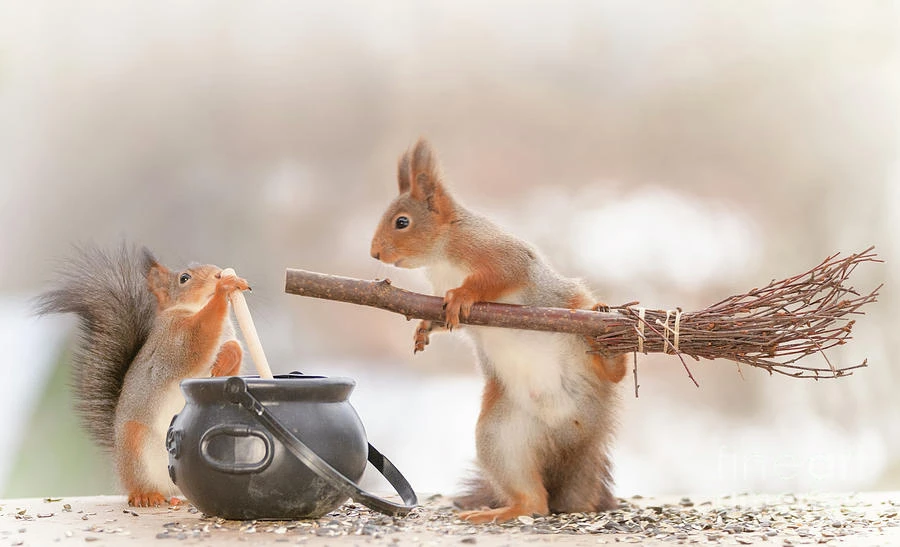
(401, 222)
(185, 277)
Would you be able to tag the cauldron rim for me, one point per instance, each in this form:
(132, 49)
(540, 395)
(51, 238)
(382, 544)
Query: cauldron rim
(289, 387)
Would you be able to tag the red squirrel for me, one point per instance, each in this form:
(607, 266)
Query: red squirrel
(548, 407)
(143, 328)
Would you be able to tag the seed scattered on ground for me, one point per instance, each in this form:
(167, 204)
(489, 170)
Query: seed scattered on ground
(785, 520)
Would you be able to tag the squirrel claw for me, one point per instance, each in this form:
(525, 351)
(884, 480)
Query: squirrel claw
(421, 338)
(458, 304)
(146, 499)
(232, 283)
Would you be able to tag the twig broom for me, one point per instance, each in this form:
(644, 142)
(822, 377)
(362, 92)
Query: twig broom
(770, 328)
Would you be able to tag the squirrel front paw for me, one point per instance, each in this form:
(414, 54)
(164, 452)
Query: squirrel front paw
(231, 283)
(457, 304)
(421, 338)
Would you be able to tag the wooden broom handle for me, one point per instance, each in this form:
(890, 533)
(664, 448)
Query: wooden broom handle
(245, 322)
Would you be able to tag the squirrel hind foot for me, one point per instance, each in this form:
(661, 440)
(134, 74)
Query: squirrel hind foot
(519, 505)
(501, 514)
(146, 499)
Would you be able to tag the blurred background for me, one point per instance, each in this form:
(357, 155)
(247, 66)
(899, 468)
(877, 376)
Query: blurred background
(671, 153)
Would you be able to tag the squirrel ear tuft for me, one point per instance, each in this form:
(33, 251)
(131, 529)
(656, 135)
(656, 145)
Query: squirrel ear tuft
(148, 259)
(425, 176)
(156, 273)
(158, 277)
(403, 178)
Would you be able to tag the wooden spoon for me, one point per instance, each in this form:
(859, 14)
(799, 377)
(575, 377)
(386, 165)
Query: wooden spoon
(245, 322)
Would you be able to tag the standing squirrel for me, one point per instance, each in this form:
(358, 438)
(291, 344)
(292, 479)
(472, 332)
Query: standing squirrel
(143, 329)
(547, 411)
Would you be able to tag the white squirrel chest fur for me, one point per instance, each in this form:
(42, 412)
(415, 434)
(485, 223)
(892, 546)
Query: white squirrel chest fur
(156, 456)
(531, 365)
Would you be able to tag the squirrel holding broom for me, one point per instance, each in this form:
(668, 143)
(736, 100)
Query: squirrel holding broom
(143, 328)
(548, 407)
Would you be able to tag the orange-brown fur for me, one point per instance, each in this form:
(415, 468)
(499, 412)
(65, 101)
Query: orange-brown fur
(611, 369)
(143, 328)
(517, 503)
(530, 461)
(228, 361)
(186, 341)
(493, 390)
(133, 442)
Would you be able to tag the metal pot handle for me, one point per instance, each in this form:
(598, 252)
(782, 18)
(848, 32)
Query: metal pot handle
(236, 390)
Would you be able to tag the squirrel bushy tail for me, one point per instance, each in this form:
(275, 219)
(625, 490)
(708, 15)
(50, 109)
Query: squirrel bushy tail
(108, 292)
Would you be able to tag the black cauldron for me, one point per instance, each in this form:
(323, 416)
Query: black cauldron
(284, 448)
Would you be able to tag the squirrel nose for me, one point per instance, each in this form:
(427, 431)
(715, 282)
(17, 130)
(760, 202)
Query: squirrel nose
(375, 254)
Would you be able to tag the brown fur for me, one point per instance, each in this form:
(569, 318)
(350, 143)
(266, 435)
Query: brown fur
(134, 438)
(489, 281)
(529, 461)
(610, 369)
(493, 391)
(144, 329)
(478, 493)
(184, 342)
(228, 361)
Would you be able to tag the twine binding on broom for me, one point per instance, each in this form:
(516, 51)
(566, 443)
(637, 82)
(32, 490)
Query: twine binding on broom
(675, 330)
(770, 328)
(642, 311)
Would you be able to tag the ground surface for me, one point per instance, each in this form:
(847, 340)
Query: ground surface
(852, 520)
